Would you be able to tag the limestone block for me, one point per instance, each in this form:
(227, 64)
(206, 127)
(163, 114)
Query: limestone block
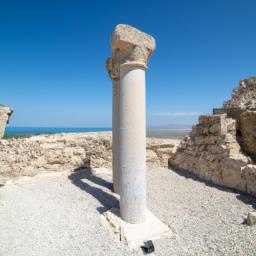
(131, 46)
(214, 157)
(229, 138)
(184, 144)
(5, 113)
(215, 129)
(125, 34)
(248, 131)
(190, 151)
(203, 167)
(219, 111)
(206, 140)
(234, 148)
(251, 218)
(134, 235)
(210, 120)
(203, 119)
(249, 175)
(215, 171)
(183, 161)
(201, 148)
(202, 129)
(231, 174)
(215, 149)
(193, 132)
(230, 124)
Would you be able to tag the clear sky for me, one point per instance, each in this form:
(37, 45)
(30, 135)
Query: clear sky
(52, 56)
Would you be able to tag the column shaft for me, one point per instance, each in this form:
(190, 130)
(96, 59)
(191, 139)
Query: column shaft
(115, 131)
(132, 144)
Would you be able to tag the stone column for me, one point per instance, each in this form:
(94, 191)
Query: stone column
(5, 113)
(115, 123)
(115, 132)
(131, 50)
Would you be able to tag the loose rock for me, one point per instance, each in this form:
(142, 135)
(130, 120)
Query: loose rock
(251, 218)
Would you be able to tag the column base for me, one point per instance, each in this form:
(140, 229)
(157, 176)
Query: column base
(134, 235)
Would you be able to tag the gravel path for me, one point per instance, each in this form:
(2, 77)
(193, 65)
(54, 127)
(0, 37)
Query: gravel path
(60, 215)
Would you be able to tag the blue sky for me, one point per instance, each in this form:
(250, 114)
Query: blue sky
(52, 56)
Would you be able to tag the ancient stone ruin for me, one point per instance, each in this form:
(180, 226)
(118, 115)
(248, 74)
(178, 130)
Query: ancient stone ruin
(222, 147)
(131, 50)
(5, 113)
(70, 151)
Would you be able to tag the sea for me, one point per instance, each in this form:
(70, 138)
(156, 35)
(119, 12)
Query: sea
(28, 131)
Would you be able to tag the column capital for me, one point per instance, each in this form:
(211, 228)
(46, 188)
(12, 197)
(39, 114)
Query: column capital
(112, 69)
(131, 47)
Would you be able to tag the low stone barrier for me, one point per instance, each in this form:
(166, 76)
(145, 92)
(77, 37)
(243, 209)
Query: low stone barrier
(70, 151)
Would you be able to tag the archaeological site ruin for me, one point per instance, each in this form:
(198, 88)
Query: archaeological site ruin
(128, 128)
(5, 113)
(222, 147)
(131, 50)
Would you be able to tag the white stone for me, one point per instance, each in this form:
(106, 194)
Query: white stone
(132, 144)
(131, 50)
(251, 218)
(115, 123)
(131, 46)
(134, 235)
(5, 113)
(115, 132)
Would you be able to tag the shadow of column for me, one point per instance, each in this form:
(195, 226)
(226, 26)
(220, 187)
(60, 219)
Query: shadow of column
(106, 199)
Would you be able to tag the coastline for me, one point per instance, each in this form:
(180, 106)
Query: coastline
(26, 132)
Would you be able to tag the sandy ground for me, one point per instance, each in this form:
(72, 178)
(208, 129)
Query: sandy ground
(61, 215)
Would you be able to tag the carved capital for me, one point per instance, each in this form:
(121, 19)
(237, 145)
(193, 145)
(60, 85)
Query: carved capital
(112, 69)
(130, 47)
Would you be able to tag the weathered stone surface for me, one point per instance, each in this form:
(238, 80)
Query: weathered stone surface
(222, 147)
(251, 218)
(243, 97)
(69, 151)
(248, 133)
(130, 46)
(5, 113)
(125, 34)
(131, 50)
(248, 173)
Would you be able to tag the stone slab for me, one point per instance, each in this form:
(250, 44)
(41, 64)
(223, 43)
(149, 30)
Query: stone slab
(127, 34)
(134, 235)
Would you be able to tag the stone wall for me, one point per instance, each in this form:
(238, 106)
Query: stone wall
(248, 133)
(5, 113)
(243, 97)
(222, 147)
(70, 151)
